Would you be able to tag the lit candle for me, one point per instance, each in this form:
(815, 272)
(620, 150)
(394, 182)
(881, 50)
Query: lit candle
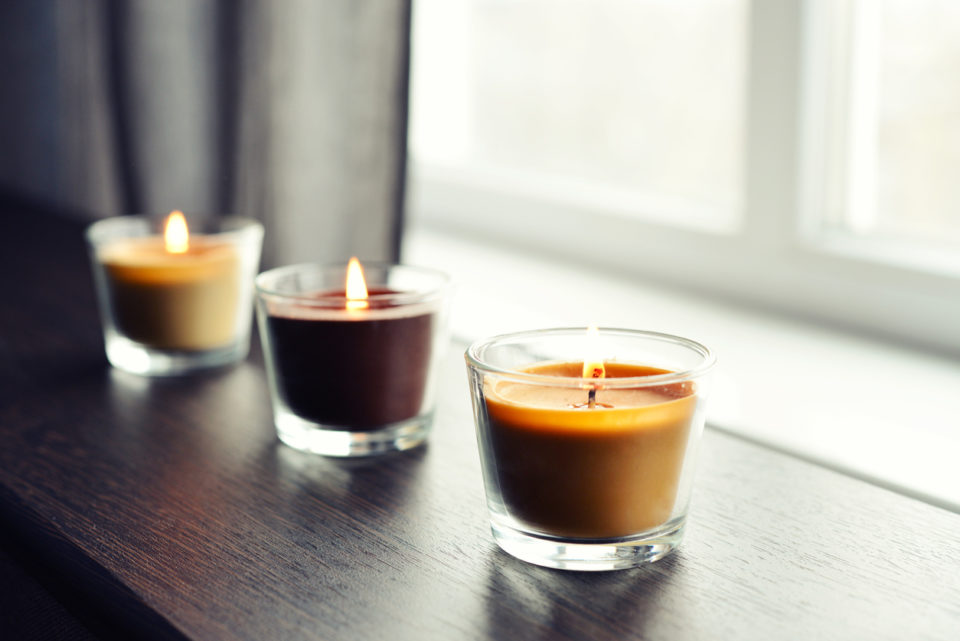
(585, 459)
(605, 468)
(175, 301)
(355, 357)
(174, 292)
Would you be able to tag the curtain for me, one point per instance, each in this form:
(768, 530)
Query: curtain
(291, 112)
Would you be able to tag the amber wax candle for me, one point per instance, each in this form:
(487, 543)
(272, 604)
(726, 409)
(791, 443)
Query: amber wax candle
(351, 354)
(602, 472)
(588, 463)
(174, 301)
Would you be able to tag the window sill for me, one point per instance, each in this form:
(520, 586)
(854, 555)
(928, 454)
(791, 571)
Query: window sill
(874, 410)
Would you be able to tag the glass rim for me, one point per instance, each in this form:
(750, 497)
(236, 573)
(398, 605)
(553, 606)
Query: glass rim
(443, 283)
(97, 231)
(709, 359)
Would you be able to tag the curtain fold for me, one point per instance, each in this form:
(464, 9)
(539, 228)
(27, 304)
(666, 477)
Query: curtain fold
(292, 112)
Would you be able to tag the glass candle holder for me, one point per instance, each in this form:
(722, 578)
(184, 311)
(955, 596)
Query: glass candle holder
(173, 312)
(588, 468)
(350, 377)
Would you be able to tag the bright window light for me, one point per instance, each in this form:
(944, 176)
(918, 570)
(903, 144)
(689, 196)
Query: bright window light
(799, 156)
(638, 104)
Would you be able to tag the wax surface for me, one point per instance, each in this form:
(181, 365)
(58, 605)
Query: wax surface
(358, 370)
(604, 472)
(173, 301)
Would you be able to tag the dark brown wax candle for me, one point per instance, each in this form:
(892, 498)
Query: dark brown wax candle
(359, 369)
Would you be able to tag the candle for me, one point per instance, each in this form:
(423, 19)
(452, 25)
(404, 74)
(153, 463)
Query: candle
(174, 302)
(351, 367)
(588, 442)
(568, 469)
(176, 292)
(356, 360)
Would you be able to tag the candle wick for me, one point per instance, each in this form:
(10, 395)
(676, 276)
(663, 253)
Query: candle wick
(592, 398)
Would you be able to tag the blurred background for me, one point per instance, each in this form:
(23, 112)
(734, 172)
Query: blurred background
(650, 99)
(292, 112)
(797, 155)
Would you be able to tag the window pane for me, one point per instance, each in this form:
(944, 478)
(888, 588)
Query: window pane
(636, 99)
(903, 123)
(919, 129)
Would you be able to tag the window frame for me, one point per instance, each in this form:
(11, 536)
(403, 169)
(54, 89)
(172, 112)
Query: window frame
(782, 258)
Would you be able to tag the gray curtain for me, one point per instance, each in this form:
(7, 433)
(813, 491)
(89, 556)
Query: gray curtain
(292, 111)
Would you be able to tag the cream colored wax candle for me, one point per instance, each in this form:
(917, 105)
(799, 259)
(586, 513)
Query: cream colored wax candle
(179, 295)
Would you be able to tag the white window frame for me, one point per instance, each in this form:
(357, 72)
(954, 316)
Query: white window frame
(780, 258)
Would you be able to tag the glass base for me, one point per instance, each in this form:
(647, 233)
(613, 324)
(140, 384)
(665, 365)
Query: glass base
(336, 441)
(137, 358)
(589, 556)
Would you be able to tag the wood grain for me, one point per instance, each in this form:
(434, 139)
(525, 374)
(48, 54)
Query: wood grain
(172, 505)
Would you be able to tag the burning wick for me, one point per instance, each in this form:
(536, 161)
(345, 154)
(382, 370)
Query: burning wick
(592, 368)
(592, 394)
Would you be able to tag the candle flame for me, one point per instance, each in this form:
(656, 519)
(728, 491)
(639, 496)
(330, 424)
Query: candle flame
(356, 286)
(176, 237)
(592, 366)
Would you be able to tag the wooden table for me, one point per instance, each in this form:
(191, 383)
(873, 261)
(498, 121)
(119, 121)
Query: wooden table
(167, 509)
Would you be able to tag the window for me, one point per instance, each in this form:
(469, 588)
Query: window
(894, 120)
(796, 155)
(608, 102)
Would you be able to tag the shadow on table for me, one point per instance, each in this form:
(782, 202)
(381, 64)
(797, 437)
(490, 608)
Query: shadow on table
(369, 490)
(531, 602)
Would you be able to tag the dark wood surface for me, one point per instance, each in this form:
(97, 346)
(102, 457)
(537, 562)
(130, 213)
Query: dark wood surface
(168, 509)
